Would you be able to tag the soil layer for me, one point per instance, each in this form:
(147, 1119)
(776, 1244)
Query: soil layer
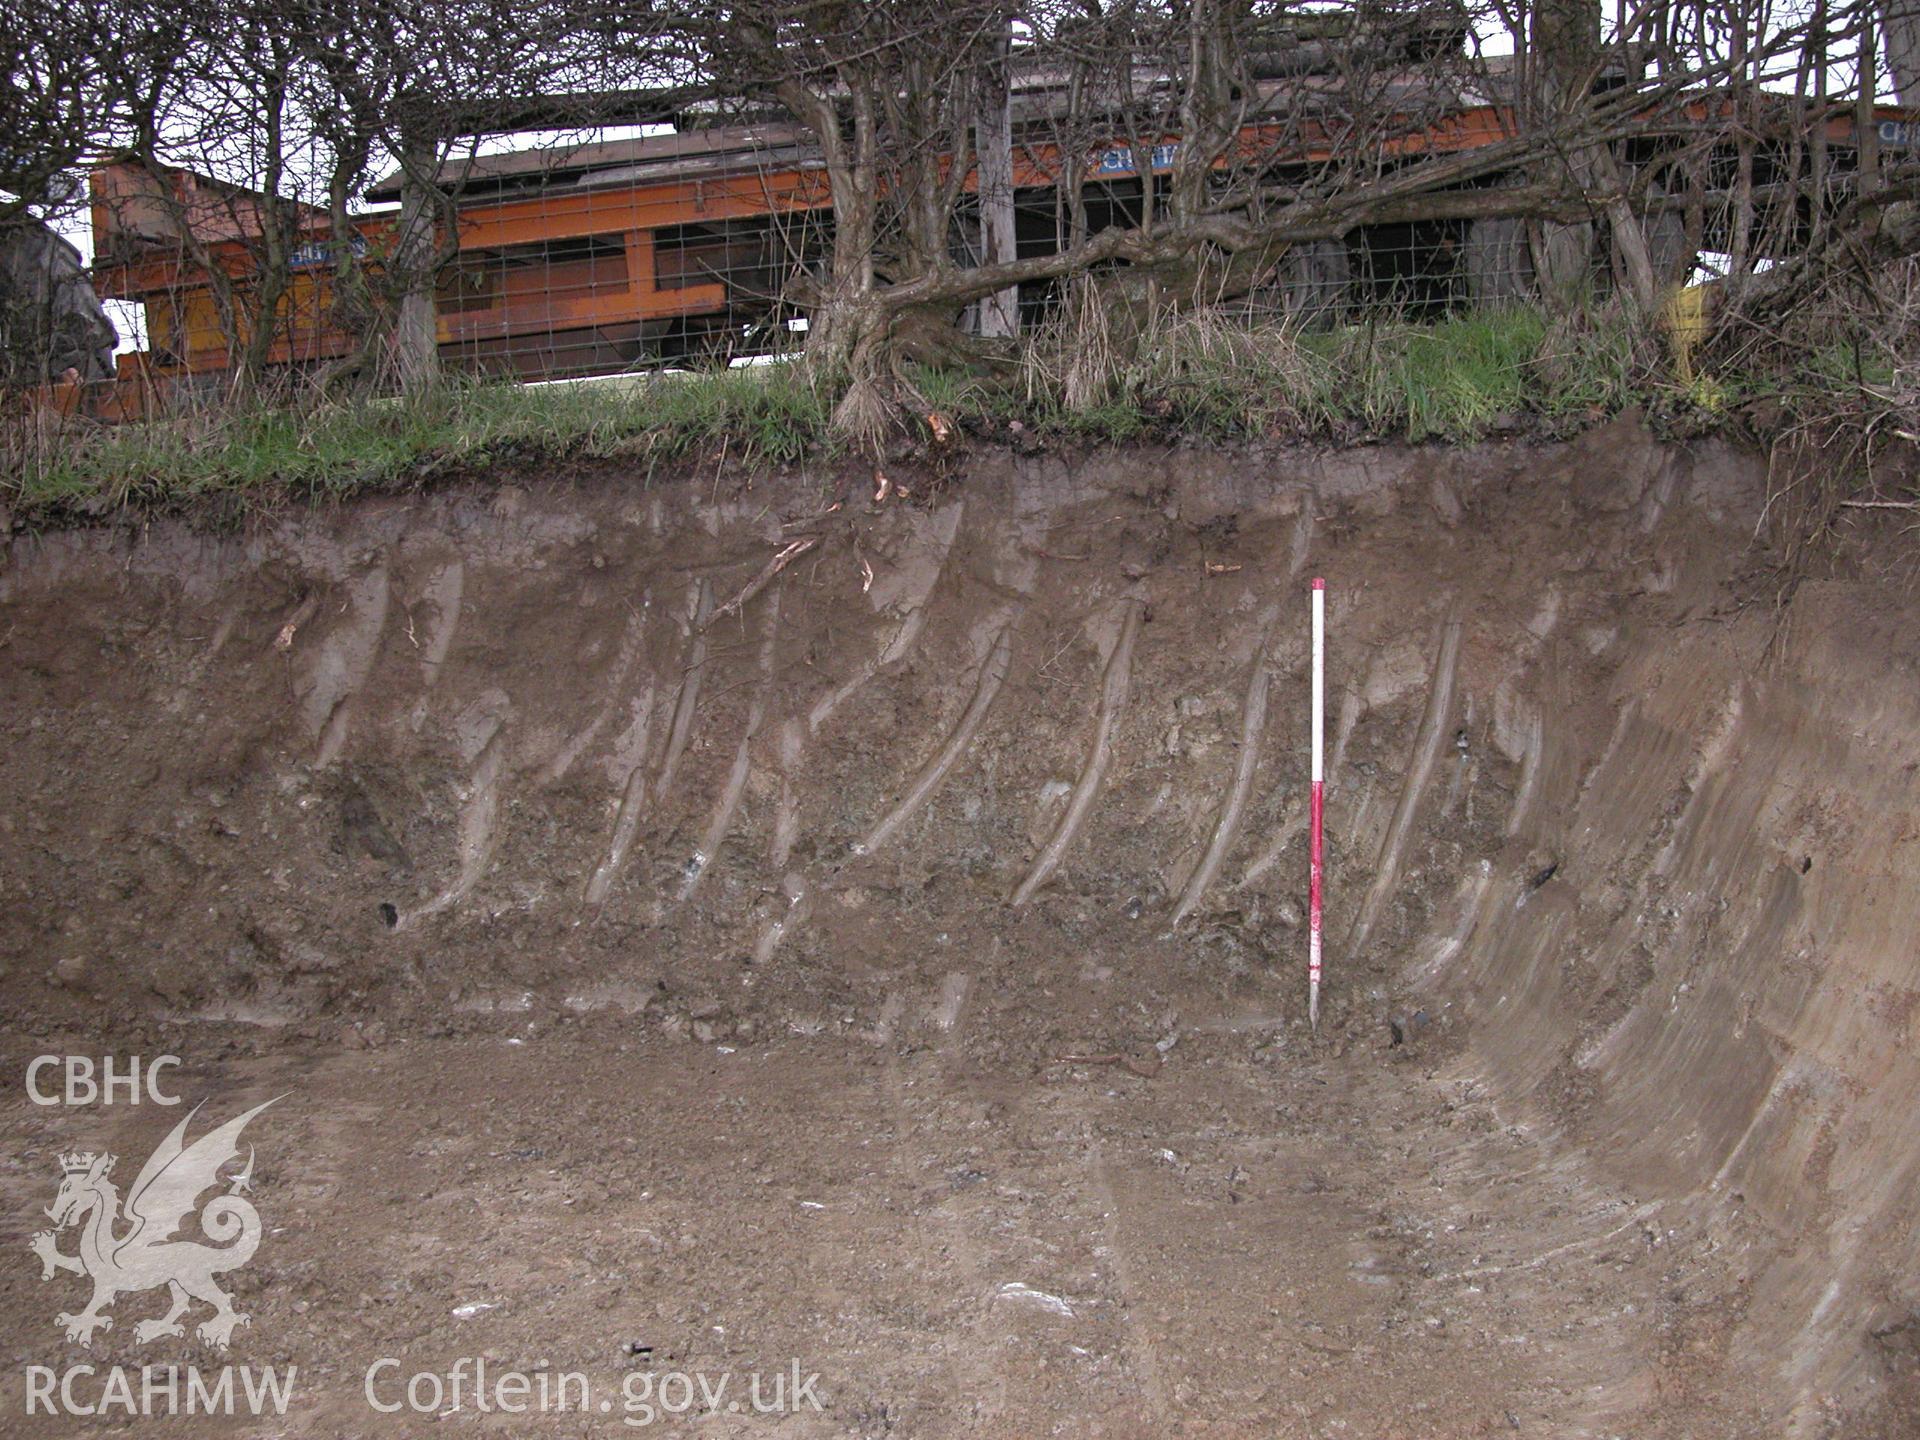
(742, 926)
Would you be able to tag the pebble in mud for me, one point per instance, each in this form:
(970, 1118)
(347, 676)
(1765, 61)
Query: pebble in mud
(72, 973)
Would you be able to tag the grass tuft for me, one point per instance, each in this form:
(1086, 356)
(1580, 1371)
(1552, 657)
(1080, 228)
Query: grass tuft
(1089, 375)
(330, 451)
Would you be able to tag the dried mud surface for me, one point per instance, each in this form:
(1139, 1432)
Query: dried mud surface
(894, 963)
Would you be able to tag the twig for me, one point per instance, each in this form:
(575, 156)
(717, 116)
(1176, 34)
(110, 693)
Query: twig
(772, 568)
(810, 519)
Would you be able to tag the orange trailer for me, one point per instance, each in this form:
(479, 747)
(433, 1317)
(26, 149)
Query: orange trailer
(677, 247)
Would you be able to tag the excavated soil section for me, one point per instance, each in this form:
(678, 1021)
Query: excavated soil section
(725, 923)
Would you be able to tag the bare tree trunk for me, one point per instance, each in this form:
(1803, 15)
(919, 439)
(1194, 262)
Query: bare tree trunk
(416, 342)
(351, 303)
(841, 313)
(1740, 248)
(993, 130)
(1076, 168)
(1629, 236)
(1865, 127)
(272, 263)
(1564, 34)
(1820, 103)
(1566, 59)
(1900, 23)
(178, 209)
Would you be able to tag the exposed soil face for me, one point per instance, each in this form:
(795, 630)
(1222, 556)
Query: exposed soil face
(895, 963)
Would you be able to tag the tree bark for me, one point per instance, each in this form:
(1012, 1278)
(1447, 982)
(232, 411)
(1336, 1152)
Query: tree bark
(993, 143)
(1567, 55)
(272, 262)
(416, 346)
(1900, 23)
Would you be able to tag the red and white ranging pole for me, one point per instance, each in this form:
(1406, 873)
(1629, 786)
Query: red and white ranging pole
(1316, 805)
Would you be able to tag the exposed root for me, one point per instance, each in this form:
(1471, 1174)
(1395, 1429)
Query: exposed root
(1426, 754)
(1253, 724)
(343, 662)
(1113, 703)
(786, 819)
(555, 770)
(787, 555)
(721, 821)
(864, 418)
(689, 700)
(993, 672)
(443, 591)
(479, 830)
(892, 653)
(303, 612)
(633, 803)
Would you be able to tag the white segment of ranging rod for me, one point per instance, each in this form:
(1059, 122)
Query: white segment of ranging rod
(1316, 804)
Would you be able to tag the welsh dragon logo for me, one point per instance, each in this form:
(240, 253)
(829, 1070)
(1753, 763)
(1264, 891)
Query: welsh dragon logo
(132, 1248)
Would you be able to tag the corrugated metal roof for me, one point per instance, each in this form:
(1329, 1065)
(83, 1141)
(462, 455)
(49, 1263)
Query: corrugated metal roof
(710, 152)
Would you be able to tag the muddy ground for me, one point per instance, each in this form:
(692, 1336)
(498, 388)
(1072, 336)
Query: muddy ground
(676, 960)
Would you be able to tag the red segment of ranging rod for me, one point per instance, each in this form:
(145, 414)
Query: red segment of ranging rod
(1317, 806)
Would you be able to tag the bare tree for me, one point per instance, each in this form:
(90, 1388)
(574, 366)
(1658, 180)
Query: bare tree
(74, 74)
(1193, 151)
(257, 124)
(889, 93)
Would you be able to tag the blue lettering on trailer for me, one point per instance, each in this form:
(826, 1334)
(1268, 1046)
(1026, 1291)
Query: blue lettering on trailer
(1121, 161)
(307, 257)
